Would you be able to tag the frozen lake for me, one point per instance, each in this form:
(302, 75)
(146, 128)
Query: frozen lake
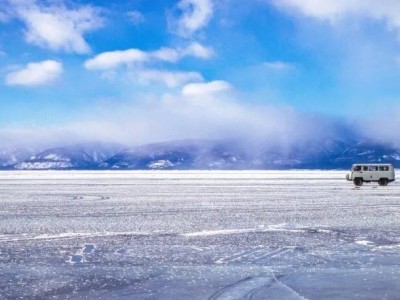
(197, 235)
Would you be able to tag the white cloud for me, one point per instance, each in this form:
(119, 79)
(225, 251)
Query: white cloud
(35, 74)
(171, 79)
(55, 26)
(334, 10)
(136, 17)
(277, 65)
(195, 49)
(206, 89)
(115, 59)
(165, 54)
(195, 15)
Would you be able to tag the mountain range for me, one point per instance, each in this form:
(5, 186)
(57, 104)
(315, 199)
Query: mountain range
(201, 155)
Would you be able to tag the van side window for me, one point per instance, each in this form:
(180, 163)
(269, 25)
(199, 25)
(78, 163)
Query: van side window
(357, 168)
(386, 168)
(365, 168)
(373, 168)
(382, 168)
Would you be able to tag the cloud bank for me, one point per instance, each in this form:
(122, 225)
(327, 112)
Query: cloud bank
(115, 59)
(204, 111)
(138, 65)
(382, 126)
(35, 74)
(194, 15)
(334, 10)
(56, 27)
(171, 79)
(205, 89)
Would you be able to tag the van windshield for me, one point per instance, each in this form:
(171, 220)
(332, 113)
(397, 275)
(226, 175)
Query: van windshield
(356, 168)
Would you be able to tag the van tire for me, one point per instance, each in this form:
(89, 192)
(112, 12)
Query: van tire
(383, 181)
(358, 181)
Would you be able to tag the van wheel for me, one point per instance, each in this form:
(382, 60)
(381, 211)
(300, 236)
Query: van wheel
(383, 181)
(358, 182)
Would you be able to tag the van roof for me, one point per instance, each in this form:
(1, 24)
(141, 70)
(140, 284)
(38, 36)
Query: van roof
(369, 164)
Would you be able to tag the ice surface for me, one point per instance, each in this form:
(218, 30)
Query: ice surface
(197, 235)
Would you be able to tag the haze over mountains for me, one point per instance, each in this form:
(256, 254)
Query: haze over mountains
(201, 155)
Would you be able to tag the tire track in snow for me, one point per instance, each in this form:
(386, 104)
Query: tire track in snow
(255, 255)
(257, 288)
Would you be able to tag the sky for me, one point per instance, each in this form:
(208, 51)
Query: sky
(140, 71)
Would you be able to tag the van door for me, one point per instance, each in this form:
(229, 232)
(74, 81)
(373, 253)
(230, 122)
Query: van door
(384, 172)
(357, 171)
(365, 174)
(373, 173)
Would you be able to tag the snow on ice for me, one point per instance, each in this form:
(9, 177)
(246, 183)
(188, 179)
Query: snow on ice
(197, 235)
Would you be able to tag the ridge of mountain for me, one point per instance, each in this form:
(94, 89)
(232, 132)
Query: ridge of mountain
(201, 155)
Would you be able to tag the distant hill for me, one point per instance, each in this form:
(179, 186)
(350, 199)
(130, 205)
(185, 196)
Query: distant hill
(79, 157)
(12, 156)
(202, 155)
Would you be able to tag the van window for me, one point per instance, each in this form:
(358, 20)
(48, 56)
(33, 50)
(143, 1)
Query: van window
(373, 168)
(386, 168)
(357, 168)
(382, 168)
(365, 168)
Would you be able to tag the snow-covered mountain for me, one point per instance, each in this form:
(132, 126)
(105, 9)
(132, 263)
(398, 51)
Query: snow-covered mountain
(368, 152)
(198, 154)
(84, 156)
(204, 155)
(11, 156)
(329, 154)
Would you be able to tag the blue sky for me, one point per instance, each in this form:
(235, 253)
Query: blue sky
(68, 64)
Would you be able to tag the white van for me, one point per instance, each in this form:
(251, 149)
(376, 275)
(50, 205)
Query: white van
(381, 173)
